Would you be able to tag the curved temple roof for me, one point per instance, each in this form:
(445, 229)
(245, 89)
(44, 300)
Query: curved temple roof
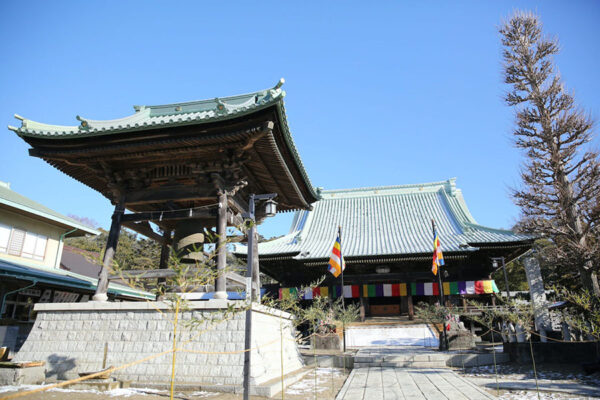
(146, 117)
(394, 220)
(47, 139)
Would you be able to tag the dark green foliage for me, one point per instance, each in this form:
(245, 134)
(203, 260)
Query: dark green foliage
(133, 251)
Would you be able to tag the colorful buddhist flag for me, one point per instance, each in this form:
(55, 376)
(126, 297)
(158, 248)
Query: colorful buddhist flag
(336, 261)
(438, 257)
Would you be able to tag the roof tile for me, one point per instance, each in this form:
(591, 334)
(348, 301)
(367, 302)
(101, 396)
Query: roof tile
(381, 221)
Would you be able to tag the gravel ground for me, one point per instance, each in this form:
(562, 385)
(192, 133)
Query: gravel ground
(521, 373)
(301, 390)
(528, 395)
(546, 371)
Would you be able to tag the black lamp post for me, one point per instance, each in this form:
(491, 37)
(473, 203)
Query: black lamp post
(270, 210)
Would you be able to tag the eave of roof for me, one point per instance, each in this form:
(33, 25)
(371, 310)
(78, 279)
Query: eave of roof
(174, 115)
(59, 277)
(16, 201)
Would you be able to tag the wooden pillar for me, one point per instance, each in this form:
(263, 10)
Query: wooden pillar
(411, 309)
(109, 254)
(363, 312)
(220, 284)
(255, 269)
(403, 305)
(165, 253)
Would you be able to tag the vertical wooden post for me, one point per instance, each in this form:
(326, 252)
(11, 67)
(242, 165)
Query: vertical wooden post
(109, 254)
(165, 252)
(411, 309)
(220, 284)
(404, 305)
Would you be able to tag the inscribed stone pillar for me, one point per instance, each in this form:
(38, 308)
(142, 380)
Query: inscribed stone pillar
(538, 295)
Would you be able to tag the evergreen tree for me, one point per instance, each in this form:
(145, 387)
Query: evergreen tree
(559, 196)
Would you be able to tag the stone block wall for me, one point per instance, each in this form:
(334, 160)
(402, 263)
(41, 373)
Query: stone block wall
(71, 338)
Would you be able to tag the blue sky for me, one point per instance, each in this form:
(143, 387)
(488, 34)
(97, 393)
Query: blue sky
(378, 93)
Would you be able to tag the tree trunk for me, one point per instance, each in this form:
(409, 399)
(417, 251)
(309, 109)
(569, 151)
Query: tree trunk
(589, 279)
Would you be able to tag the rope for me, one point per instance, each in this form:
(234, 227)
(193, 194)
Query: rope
(84, 378)
(531, 332)
(226, 352)
(141, 360)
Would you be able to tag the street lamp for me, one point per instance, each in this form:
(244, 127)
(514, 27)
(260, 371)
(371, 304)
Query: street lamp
(495, 265)
(270, 210)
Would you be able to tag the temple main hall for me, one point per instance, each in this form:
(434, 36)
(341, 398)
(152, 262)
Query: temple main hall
(387, 244)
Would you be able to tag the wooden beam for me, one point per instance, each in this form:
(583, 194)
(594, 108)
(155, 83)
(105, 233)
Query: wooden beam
(145, 229)
(238, 203)
(168, 273)
(174, 193)
(169, 215)
(234, 219)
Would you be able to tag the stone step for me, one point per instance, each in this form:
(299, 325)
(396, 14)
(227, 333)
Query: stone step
(402, 358)
(475, 360)
(406, 364)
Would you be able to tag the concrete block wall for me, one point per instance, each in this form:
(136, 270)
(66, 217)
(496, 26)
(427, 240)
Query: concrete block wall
(71, 338)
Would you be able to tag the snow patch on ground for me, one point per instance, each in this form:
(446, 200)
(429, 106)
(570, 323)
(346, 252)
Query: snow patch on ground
(307, 384)
(512, 372)
(128, 392)
(204, 394)
(414, 335)
(531, 395)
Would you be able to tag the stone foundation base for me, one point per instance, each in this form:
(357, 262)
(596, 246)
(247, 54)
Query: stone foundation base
(22, 375)
(71, 338)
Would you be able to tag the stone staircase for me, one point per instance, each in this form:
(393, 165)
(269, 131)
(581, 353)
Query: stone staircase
(419, 357)
(405, 357)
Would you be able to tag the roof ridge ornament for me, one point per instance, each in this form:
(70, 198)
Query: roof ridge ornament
(84, 123)
(279, 84)
(220, 106)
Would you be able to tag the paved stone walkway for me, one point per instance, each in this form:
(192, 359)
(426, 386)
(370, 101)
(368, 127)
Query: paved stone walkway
(562, 386)
(387, 383)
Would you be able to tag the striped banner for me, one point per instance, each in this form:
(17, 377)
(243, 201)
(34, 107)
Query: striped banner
(393, 290)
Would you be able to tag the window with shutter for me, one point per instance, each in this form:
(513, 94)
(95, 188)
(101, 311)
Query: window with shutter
(16, 242)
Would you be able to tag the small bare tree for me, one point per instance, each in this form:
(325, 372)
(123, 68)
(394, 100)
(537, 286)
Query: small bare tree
(559, 198)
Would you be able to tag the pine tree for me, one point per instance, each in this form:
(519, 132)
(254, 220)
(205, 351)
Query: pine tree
(559, 195)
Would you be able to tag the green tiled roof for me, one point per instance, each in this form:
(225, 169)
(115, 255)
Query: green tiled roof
(172, 115)
(381, 221)
(12, 199)
(160, 116)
